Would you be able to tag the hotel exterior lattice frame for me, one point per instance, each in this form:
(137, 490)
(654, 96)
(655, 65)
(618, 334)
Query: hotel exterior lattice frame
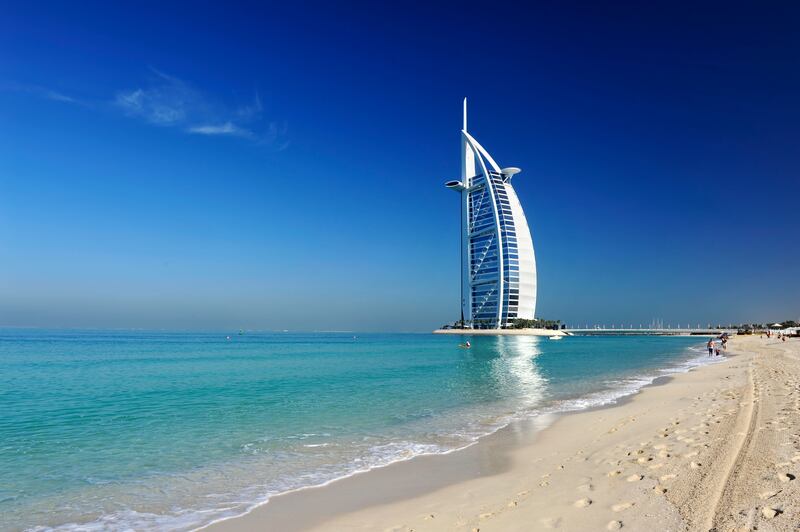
(498, 278)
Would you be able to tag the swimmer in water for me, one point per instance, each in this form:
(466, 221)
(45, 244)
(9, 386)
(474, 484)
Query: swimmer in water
(468, 345)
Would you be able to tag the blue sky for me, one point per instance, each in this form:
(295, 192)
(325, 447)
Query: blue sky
(280, 167)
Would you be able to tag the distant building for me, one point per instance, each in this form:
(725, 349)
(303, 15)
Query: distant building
(498, 267)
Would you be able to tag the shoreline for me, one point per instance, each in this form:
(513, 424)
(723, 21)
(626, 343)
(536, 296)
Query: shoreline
(715, 448)
(423, 475)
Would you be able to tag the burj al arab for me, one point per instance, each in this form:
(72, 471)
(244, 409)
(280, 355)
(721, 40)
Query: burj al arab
(498, 266)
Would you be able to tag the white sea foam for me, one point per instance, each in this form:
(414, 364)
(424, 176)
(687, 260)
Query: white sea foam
(619, 389)
(192, 519)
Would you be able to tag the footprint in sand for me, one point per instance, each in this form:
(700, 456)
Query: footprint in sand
(634, 478)
(621, 506)
(585, 487)
(614, 525)
(668, 477)
(550, 522)
(695, 465)
(614, 473)
(582, 503)
(786, 477)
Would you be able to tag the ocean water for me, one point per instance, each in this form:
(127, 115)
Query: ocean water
(171, 431)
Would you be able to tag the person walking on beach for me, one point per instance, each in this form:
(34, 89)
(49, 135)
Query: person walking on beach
(710, 346)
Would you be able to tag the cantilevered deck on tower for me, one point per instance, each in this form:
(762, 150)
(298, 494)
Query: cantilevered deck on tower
(498, 267)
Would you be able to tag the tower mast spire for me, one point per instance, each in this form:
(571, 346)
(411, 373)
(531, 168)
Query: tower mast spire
(464, 223)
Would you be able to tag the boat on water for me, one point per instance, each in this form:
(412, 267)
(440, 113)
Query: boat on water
(556, 337)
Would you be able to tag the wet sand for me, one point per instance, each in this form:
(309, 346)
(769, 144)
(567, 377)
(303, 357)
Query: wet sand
(715, 448)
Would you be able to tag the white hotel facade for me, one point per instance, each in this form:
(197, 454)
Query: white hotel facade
(498, 266)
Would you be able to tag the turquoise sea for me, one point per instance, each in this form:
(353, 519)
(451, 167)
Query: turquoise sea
(170, 431)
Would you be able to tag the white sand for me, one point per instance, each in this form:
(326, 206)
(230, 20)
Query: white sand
(716, 448)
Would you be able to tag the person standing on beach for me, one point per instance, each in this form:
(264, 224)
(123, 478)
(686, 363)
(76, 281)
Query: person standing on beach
(710, 346)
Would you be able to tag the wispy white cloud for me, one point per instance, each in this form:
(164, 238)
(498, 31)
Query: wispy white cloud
(168, 101)
(165, 101)
(36, 90)
(228, 128)
(56, 96)
(277, 135)
(252, 110)
(171, 102)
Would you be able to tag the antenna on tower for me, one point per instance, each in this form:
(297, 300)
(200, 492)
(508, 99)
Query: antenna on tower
(465, 114)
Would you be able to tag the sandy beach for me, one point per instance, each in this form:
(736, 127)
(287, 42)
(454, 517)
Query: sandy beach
(716, 448)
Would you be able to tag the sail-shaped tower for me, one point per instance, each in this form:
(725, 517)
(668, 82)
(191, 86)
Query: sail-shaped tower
(498, 266)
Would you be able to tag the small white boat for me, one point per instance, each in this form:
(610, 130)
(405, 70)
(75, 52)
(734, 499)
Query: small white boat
(556, 337)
